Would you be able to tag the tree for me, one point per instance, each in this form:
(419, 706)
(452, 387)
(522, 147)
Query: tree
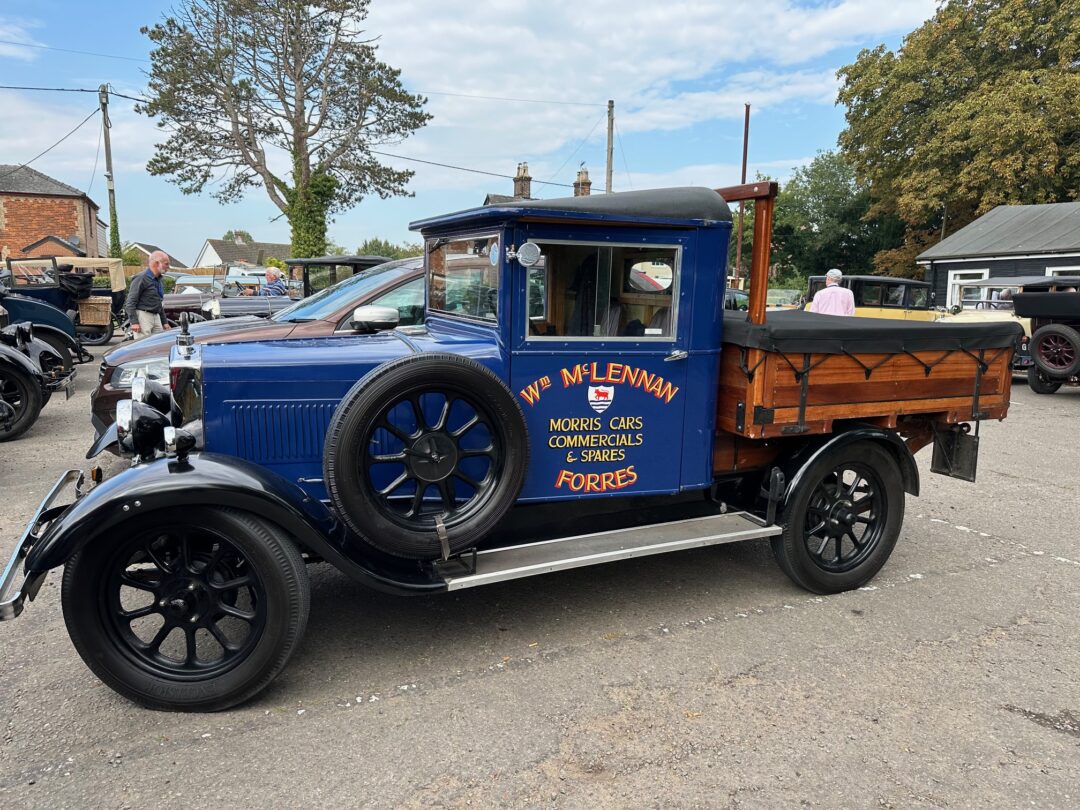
(132, 256)
(976, 109)
(823, 220)
(286, 95)
(382, 247)
(244, 236)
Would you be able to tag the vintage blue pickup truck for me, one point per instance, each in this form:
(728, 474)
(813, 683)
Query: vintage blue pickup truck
(577, 395)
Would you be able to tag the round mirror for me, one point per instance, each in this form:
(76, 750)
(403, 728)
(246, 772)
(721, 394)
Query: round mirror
(651, 276)
(528, 254)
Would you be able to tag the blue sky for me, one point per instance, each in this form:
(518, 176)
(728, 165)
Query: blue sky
(678, 71)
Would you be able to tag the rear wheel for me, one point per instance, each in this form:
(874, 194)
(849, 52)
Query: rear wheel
(1055, 348)
(842, 522)
(21, 400)
(97, 335)
(191, 611)
(1040, 384)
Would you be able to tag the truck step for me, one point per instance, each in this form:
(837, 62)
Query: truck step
(563, 553)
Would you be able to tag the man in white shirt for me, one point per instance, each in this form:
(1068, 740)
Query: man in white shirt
(834, 299)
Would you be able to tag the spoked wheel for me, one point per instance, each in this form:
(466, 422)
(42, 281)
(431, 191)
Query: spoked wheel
(98, 335)
(195, 615)
(21, 400)
(1055, 348)
(843, 520)
(1040, 383)
(425, 455)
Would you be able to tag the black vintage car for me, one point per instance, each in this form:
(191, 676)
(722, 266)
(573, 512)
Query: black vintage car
(30, 371)
(1053, 305)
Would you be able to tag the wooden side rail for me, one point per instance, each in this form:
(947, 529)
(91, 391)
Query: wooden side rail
(764, 196)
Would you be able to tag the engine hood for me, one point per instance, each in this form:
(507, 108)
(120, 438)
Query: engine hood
(245, 328)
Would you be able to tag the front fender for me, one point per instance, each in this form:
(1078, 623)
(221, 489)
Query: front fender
(210, 479)
(795, 467)
(70, 342)
(21, 361)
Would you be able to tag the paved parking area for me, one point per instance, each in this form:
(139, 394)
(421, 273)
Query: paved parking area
(703, 679)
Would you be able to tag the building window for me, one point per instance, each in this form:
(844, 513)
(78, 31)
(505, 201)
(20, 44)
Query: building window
(956, 279)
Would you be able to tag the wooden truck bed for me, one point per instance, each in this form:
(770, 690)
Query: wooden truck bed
(797, 372)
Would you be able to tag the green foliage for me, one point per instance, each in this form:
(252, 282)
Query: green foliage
(231, 235)
(235, 81)
(115, 251)
(132, 256)
(823, 220)
(168, 282)
(977, 109)
(383, 247)
(274, 261)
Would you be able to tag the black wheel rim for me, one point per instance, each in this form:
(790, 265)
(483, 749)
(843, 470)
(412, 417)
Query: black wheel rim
(432, 455)
(1056, 352)
(13, 395)
(845, 518)
(183, 604)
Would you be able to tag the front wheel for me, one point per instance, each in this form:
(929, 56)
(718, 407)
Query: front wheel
(191, 611)
(842, 522)
(21, 400)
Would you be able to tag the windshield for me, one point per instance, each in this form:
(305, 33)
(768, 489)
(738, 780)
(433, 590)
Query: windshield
(982, 297)
(329, 301)
(464, 275)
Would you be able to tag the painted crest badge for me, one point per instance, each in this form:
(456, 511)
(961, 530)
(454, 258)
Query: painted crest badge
(601, 397)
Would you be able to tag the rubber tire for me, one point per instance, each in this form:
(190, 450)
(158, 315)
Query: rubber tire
(280, 567)
(1040, 385)
(348, 492)
(33, 397)
(789, 547)
(100, 340)
(1070, 334)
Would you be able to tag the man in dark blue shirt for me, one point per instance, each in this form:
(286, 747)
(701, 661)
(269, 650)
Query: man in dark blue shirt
(144, 306)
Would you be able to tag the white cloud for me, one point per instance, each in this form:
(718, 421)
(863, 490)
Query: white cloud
(14, 31)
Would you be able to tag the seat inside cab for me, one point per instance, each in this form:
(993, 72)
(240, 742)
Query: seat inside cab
(583, 290)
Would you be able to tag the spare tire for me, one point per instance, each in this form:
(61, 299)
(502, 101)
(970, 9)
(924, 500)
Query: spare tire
(425, 455)
(1055, 348)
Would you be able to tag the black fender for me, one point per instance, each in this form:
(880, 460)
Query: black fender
(210, 479)
(78, 355)
(22, 362)
(794, 467)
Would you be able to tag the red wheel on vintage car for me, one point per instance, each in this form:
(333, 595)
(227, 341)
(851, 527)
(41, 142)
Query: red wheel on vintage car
(1055, 348)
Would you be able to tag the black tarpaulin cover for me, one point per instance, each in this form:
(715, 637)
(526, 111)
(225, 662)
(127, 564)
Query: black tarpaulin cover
(796, 332)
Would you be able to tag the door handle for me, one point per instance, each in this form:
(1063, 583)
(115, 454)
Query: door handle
(678, 354)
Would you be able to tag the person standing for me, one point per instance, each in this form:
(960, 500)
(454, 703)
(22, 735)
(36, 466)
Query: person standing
(145, 299)
(834, 299)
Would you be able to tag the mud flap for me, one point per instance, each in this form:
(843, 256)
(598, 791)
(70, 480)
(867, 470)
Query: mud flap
(956, 452)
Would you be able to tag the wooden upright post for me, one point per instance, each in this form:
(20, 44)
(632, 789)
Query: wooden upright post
(764, 196)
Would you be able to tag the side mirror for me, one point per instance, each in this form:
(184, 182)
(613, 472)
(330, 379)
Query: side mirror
(373, 318)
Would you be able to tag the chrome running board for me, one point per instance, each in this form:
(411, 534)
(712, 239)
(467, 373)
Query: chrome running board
(561, 554)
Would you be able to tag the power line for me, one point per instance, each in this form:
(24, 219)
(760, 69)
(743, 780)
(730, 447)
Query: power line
(578, 147)
(97, 154)
(509, 98)
(465, 169)
(22, 166)
(68, 50)
(622, 152)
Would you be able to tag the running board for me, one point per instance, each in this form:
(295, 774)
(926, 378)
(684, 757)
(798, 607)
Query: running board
(561, 554)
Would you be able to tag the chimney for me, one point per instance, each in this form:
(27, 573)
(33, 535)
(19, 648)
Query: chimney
(582, 185)
(523, 182)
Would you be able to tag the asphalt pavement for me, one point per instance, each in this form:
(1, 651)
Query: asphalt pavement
(698, 679)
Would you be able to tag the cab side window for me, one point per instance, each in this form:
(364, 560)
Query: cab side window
(894, 295)
(917, 298)
(603, 291)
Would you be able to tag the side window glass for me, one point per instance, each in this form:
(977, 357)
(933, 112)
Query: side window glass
(894, 295)
(463, 276)
(603, 291)
(917, 297)
(869, 295)
(408, 300)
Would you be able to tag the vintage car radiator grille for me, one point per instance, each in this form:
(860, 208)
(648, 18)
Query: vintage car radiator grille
(275, 432)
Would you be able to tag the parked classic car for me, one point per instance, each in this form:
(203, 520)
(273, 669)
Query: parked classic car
(1052, 303)
(396, 284)
(548, 414)
(885, 297)
(30, 372)
(66, 284)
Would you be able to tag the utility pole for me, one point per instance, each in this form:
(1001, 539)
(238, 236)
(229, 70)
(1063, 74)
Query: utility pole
(738, 237)
(610, 142)
(115, 251)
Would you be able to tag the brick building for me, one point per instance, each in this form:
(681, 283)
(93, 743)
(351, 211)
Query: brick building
(40, 216)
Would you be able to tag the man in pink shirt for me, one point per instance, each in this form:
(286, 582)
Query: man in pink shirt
(834, 299)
